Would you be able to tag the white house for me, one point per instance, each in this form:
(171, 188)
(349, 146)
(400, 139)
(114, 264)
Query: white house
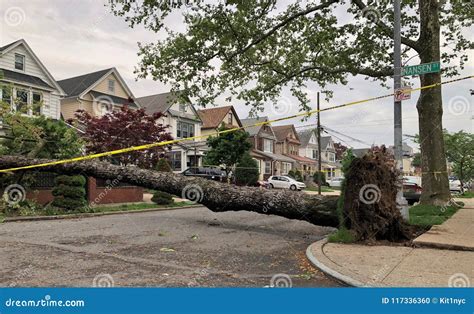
(25, 82)
(183, 121)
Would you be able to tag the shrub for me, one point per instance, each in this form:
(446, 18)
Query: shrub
(295, 174)
(323, 178)
(246, 172)
(163, 165)
(162, 198)
(69, 192)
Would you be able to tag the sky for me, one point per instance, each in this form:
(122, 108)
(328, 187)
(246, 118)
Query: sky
(74, 37)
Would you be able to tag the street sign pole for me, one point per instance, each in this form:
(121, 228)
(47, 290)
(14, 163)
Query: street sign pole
(319, 149)
(401, 201)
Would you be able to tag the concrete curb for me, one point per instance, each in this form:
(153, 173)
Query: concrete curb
(87, 215)
(326, 269)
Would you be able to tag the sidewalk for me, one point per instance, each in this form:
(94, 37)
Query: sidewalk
(447, 261)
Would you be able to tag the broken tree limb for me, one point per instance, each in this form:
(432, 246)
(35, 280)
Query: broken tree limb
(218, 197)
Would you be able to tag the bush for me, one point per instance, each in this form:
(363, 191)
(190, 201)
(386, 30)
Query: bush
(162, 198)
(295, 174)
(246, 172)
(323, 178)
(69, 192)
(163, 166)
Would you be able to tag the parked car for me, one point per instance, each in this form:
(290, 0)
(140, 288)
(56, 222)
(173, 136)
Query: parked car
(455, 186)
(335, 182)
(411, 192)
(285, 182)
(211, 173)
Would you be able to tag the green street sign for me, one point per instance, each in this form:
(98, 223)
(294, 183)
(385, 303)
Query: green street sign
(420, 69)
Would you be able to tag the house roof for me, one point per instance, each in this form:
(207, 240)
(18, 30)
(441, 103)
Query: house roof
(359, 152)
(162, 103)
(115, 99)
(24, 78)
(10, 44)
(282, 131)
(302, 159)
(278, 157)
(253, 130)
(213, 117)
(305, 136)
(75, 86)
(325, 141)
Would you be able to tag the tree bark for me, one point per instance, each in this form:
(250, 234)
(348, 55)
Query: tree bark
(218, 197)
(430, 111)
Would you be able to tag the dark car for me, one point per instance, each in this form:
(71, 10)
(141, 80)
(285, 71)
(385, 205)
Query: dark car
(411, 192)
(210, 173)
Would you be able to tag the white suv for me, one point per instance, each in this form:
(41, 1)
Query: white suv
(285, 182)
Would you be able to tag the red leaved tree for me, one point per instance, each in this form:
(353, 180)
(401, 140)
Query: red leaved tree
(124, 128)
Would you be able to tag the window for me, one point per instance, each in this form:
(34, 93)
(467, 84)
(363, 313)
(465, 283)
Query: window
(112, 86)
(286, 168)
(268, 146)
(7, 95)
(314, 153)
(332, 157)
(230, 118)
(268, 167)
(36, 110)
(184, 129)
(21, 101)
(175, 160)
(19, 62)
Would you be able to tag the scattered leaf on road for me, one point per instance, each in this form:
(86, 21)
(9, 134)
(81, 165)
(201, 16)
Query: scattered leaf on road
(165, 249)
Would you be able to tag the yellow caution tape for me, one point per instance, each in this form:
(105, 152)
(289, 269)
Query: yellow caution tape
(152, 145)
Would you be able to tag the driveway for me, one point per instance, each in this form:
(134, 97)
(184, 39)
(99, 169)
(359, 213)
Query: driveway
(186, 247)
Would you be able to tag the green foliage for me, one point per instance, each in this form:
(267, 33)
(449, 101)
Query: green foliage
(162, 198)
(460, 152)
(342, 235)
(416, 162)
(323, 178)
(246, 172)
(295, 174)
(227, 148)
(163, 166)
(39, 137)
(346, 162)
(69, 192)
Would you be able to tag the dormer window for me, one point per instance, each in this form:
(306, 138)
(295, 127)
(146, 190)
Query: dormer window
(19, 62)
(112, 86)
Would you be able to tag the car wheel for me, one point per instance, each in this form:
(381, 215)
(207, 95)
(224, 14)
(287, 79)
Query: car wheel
(293, 187)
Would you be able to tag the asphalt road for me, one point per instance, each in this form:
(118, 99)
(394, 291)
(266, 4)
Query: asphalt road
(175, 248)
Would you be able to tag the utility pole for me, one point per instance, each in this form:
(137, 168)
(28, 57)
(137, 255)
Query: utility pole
(398, 148)
(319, 148)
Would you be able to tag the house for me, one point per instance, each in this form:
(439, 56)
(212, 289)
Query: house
(96, 93)
(183, 121)
(359, 152)
(288, 144)
(407, 158)
(309, 150)
(263, 142)
(26, 84)
(329, 165)
(213, 118)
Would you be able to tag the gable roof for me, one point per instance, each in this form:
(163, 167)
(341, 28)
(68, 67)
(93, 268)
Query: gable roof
(253, 130)
(157, 103)
(359, 152)
(10, 46)
(74, 86)
(213, 117)
(305, 136)
(325, 141)
(282, 131)
(22, 77)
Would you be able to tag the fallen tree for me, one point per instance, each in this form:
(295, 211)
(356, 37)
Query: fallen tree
(218, 197)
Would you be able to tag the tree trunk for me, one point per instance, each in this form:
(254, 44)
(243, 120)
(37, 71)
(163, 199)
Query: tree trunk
(218, 197)
(430, 111)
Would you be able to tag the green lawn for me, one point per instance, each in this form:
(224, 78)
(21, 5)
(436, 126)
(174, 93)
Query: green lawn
(323, 189)
(465, 195)
(50, 211)
(342, 235)
(428, 215)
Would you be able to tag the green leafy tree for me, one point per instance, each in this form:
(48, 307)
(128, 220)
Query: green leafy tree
(295, 174)
(227, 149)
(254, 49)
(416, 162)
(246, 172)
(460, 152)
